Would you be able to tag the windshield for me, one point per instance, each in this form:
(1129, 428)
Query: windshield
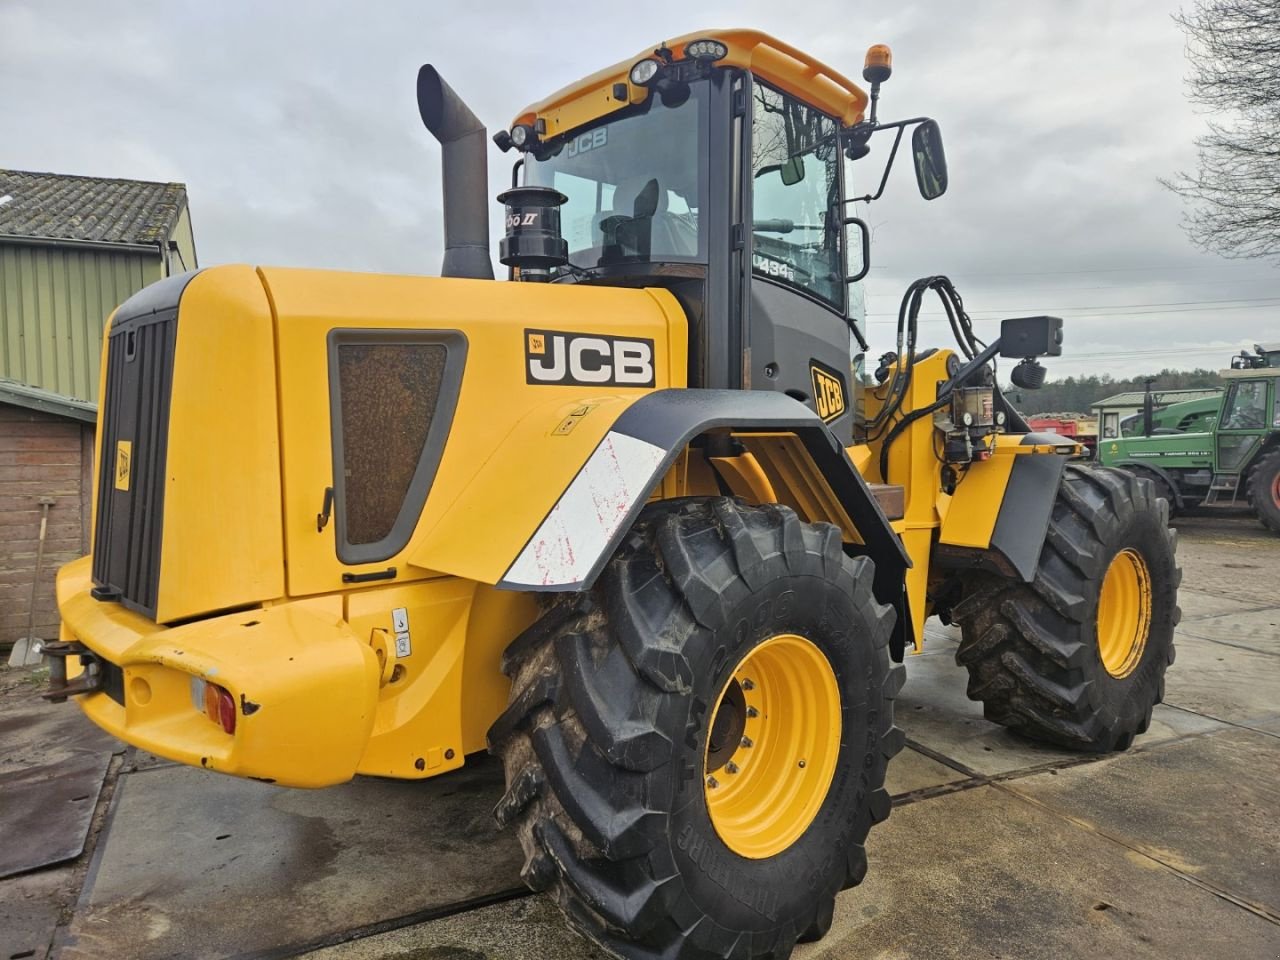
(635, 184)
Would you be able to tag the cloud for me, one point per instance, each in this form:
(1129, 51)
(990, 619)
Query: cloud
(294, 126)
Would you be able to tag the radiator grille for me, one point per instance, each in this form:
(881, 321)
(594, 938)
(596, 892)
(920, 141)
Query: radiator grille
(135, 427)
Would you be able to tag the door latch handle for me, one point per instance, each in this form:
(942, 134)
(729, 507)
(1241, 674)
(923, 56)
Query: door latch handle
(322, 518)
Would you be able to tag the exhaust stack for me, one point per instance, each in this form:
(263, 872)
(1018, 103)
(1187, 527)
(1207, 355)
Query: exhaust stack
(463, 143)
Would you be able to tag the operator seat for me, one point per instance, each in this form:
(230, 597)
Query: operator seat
(640, 223)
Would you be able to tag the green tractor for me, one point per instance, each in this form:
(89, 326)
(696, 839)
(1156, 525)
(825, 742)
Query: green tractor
(1197, 455)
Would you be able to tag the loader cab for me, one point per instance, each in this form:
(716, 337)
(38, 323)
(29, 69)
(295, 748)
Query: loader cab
(717, 170)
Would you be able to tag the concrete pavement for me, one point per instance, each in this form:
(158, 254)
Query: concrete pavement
(996, 847)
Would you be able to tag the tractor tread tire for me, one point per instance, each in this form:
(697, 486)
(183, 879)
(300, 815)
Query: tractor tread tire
(1261, 491)
(1163, 490)
(602, 687)
(1031, 648)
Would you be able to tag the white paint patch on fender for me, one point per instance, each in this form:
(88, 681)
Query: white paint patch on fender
(579, 527)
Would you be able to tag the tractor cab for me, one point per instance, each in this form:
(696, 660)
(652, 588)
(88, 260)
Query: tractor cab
(717, 166)
(1250, 413)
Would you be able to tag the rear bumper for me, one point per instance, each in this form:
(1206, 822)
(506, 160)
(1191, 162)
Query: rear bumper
(305, 686)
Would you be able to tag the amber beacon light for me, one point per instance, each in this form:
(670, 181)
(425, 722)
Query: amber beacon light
(878, 65)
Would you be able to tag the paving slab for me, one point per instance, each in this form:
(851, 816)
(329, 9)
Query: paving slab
(47, 811)
(939, 638)
(1225, 682)
(136, 759)
(196, 864)
(531, 928)
(30, 909)
(52, 765)
(1232, 557)
(979, 873)
(34, 732)
(1199, 604)
(1256, 630)
(911, 771)
(936, 713)
(1205, 806)
(982, 873)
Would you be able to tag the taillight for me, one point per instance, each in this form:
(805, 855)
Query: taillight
(226, 711)
(217, 703)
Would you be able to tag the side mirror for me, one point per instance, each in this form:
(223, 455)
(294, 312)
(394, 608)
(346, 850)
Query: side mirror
(792, 172)
(930, 160)
(857, 253)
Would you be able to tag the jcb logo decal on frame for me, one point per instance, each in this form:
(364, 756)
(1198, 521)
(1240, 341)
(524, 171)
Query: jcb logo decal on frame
(828, 391)
(587, 359)
(124, 463)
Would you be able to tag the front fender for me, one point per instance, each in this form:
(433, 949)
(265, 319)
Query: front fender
(999, 514)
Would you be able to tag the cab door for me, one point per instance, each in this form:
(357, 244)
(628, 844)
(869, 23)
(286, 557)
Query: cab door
(1246, 417)
(797, 337)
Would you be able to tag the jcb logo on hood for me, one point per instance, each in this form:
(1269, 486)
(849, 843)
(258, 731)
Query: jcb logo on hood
(587, 359)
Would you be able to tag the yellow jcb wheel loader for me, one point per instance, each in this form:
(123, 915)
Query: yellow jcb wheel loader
(639, 522)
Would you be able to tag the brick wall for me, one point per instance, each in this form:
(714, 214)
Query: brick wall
(41, 455)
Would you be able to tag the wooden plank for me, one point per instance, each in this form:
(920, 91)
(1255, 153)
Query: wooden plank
(31, 444)
(44, 472)
(54, 427)
(46, 456)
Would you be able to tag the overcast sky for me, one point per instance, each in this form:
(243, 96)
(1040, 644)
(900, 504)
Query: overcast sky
(294, 126)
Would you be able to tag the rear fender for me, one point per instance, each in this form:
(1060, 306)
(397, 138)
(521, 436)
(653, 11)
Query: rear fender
(587, 522)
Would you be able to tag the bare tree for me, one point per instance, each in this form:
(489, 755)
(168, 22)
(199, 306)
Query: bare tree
(1234, 50)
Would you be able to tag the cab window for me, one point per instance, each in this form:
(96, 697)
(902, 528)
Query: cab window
(635, 184)
(1246, 407)
(796, 195)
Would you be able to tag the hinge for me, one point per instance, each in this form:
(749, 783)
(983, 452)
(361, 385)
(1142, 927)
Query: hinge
(739, 236)
(740, 103)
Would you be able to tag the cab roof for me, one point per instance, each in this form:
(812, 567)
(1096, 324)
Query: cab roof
(778, 63)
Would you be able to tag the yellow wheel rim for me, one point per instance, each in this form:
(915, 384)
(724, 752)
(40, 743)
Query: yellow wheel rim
(1124, 613)
(772, 746)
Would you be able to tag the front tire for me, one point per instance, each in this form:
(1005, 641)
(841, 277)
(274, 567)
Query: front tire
(696, 749)
(1077, 658)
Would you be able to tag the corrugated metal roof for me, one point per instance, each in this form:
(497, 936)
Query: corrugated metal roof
(34, 398)
(58, 206)
(1137, 397)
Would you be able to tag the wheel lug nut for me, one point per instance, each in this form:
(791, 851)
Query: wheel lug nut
(712, 782)
(752, 712)
(746, 742)
(748, 684)
(731, 767)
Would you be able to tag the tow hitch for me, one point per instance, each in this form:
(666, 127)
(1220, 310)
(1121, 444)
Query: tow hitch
(90, 681)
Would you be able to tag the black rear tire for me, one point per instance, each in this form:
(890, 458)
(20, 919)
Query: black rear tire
(604, 739)
(1032, 649)
(1160, 486)
(1264, 491)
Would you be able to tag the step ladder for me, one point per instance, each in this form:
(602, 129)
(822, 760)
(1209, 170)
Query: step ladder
(1223, 483)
